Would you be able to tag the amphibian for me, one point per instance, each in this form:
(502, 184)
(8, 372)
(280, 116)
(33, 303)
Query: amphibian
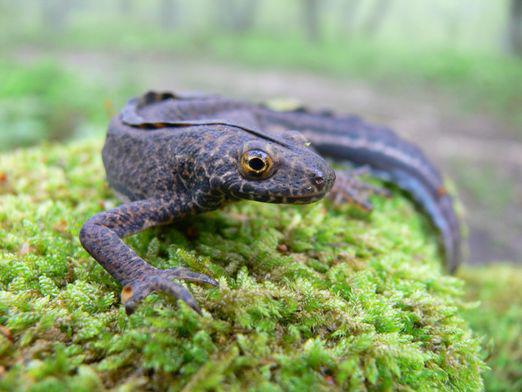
(168, 156)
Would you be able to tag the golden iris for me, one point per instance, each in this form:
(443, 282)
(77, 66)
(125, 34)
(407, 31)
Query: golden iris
(256, 164)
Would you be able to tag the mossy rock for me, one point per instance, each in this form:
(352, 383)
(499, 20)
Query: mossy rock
(310, 298)
(498, 317)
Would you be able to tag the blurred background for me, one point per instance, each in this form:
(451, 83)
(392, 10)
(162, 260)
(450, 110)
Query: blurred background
(446, 74)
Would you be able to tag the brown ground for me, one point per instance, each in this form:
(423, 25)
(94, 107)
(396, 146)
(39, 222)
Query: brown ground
(477, 150)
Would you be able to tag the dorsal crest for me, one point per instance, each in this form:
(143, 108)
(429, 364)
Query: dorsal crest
(155, 110)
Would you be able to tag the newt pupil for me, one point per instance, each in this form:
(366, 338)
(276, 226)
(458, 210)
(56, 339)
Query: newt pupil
(256, 164)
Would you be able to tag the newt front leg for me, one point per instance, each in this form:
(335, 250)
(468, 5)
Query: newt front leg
(102, 237)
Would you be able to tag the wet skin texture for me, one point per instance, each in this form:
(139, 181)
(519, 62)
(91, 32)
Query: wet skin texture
(168, 156)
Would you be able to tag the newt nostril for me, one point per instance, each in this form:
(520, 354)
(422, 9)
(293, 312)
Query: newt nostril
(318, 181)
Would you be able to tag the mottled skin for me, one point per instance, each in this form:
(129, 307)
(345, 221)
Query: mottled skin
(169, 156)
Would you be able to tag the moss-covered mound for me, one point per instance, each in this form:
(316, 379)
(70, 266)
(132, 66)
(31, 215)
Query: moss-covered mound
(498, 317)
(310, 298)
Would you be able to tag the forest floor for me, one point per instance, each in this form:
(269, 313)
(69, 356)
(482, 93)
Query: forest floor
(481, 153)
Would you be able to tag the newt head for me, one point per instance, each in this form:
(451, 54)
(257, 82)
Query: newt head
(276, 170)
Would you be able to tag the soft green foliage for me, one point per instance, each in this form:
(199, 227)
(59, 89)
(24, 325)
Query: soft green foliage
(44, 102)
(310, 297)
(498, 316)
(477, 80)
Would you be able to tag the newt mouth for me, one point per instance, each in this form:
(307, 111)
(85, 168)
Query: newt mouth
(304, 199)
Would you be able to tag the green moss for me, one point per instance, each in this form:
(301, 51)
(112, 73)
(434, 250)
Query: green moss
(498, 317)
(310, 297)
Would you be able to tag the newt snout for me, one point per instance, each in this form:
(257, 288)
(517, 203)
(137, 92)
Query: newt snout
(319, 181)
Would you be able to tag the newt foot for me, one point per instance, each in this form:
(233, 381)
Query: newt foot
(161, 281)
(348, 188)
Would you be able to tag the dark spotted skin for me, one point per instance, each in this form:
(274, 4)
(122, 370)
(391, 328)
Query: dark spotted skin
(169, 156)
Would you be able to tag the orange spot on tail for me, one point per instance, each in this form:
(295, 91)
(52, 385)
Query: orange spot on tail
(441, 191)
(126, 294)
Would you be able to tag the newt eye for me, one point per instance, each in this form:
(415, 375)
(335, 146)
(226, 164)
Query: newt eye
(256, 164)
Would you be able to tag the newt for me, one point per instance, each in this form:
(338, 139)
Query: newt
(168, 156)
